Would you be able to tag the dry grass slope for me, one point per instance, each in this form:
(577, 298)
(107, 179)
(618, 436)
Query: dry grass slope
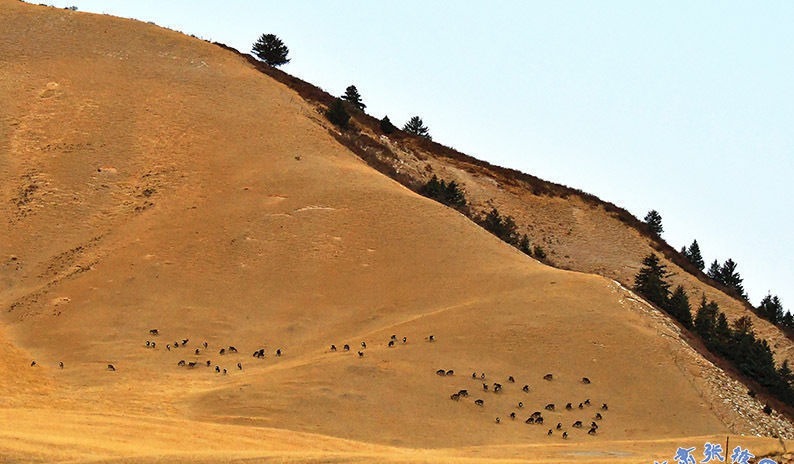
(156, 181)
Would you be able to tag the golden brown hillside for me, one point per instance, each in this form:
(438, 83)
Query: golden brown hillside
(153, 181)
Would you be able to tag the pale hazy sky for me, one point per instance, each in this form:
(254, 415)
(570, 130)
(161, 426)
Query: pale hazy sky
(683, 107)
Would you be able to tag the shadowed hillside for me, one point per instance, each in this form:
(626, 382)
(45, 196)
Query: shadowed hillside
(155, 181)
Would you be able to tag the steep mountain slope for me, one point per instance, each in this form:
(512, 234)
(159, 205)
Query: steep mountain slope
(577, 230)
(154, 181)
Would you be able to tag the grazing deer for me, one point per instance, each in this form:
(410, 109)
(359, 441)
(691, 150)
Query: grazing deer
(154, 332)
(548, 377)
(111, 367)
(479, 402)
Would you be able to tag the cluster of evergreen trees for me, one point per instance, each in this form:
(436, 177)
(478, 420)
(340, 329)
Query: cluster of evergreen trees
(738, 343)
(351, 100)
(504, 227)
(772, 310)
(726, 274)
(447, 193)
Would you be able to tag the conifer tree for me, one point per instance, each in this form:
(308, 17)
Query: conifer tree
(771, 309)
(694, 256)
(654, 221)
(706, 320)
(386, 126)
(337, 114)
(731, 278)
(270, 49)
(417, 127)
(353, 97)
(679, 307)
(650, 281)
(715, 271)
